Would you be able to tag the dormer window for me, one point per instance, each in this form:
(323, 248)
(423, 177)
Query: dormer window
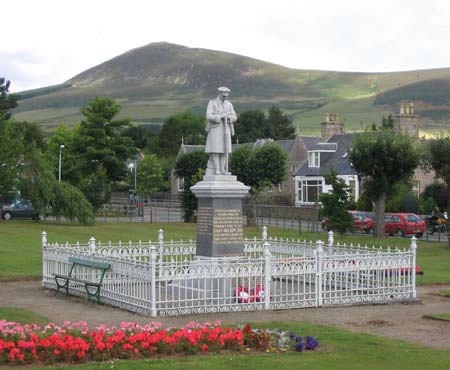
(313, 159)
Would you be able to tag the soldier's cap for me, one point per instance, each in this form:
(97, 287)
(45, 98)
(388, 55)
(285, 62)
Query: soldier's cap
(223, 89)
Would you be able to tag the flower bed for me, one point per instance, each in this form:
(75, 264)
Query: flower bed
(75, 343)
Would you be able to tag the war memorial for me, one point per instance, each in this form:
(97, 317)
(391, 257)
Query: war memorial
(221, 271)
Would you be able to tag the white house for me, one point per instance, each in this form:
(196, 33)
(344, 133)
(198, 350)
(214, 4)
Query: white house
(324, 156)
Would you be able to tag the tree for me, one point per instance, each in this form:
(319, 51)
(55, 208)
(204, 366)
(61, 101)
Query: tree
(437, 155)
(254, 124)
(259, 169)
(95, 156)
(336, 204)
(184, 125)
(149, 175)
(439, 193)
(279, 125)
(7, 101)
(11, 157)
(190, 167)
(140, 135)
(250, 126)
(387, 123)
(38, 182)
(71, 203)
(383, 159)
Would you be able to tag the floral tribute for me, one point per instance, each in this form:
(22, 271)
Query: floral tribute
(76, 342)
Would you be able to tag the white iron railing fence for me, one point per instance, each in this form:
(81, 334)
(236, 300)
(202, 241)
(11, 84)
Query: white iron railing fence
(166, 278)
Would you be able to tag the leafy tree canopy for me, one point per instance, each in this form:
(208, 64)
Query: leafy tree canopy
(98, 143)
(383, 158)
(150, 176)
(260, 167)
(184, 125)
(253, 125)
(437, 155)
(7, 101)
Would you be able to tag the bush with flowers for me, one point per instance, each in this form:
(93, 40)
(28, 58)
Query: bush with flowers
(76, 342)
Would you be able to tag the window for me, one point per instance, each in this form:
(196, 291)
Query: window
(416, 187)
(280, 187)
(352, 186)
(310, 191)
(293, 168)
(313, 159)
(180, 181)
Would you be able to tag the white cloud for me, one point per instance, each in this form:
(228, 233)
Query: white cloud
(50, 41)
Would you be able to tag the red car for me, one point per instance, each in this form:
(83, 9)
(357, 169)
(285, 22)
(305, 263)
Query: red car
(362, 221)
(402, 224)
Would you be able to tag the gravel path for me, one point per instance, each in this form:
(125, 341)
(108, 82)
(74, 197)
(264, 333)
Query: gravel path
(397, 321)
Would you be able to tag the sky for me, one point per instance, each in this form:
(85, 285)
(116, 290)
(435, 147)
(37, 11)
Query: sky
(46, 42)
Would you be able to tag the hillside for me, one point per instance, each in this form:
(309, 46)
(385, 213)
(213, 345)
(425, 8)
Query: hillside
(155, 81)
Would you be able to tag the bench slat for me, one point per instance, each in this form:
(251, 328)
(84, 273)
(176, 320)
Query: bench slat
(92, 264)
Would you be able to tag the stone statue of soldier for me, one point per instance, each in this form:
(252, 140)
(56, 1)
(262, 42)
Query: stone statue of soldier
(220, 116)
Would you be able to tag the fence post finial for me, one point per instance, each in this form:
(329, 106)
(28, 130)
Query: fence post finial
(44, 239)
(330, 240)
(413, 244)
(264, 233)
(92, 245)
(319, 255)
(160, 236)
(153, 311)
(413, 267)
(268, 274)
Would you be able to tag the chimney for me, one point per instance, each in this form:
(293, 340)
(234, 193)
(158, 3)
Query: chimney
(331, 126)
(406, 120)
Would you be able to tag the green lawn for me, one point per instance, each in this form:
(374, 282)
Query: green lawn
(22, 316)
(441, 316)
(21, 252)
(444, 293)
(338, 350)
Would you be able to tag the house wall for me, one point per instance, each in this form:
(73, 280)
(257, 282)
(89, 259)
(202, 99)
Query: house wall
(325, 188)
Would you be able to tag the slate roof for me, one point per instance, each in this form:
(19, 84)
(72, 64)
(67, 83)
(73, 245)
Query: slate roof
(310, 141)
(336, 160)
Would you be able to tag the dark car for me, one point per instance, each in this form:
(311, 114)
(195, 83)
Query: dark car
(402, 224)
(19, 209)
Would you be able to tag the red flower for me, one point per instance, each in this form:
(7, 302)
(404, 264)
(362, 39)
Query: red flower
(247, 328)
(204, 348)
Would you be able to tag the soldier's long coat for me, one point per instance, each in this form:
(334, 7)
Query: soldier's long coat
(219, 133)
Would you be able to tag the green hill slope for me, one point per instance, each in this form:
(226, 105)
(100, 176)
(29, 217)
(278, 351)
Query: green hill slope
(155, 81)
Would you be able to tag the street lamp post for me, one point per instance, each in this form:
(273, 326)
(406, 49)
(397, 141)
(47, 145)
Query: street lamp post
(135, 176)
(61, 147)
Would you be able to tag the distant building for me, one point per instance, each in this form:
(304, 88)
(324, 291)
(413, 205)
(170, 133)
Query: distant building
(332, 154)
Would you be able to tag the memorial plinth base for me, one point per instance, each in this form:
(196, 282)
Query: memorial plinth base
(219, 216)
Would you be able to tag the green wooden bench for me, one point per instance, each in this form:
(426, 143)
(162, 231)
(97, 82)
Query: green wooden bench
(62, 281)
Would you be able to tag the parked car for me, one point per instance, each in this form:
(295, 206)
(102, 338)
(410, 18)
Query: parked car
(19, 209)
(362, 221)
(402, 224)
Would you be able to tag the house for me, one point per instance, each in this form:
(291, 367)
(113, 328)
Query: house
(332, 152)
(309, 180)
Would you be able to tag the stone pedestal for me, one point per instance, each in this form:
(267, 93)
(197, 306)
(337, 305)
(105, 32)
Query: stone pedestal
(219, 215)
